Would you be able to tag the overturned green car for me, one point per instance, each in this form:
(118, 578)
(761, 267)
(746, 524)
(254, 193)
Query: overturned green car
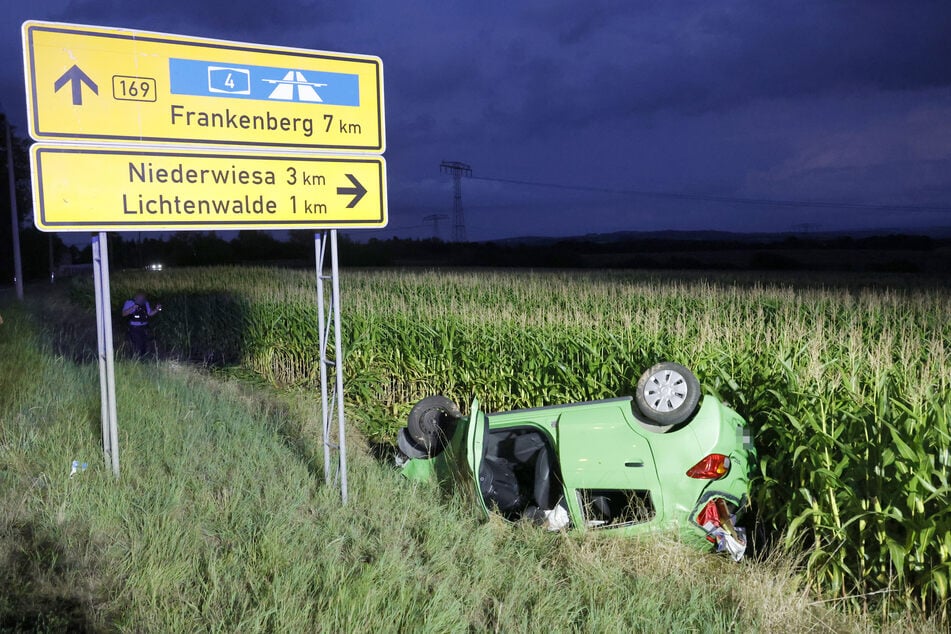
(665, 458)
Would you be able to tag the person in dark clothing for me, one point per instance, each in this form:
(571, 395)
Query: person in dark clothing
(137, 313)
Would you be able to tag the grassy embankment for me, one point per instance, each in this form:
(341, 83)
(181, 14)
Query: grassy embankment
(846, 381)
(220, 523)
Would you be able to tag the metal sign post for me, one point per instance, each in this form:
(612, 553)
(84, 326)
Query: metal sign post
(107, 375)
(331, 400)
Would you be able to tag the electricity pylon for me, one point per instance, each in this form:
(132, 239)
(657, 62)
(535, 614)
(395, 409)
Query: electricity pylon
(458, 170)
(435, 218)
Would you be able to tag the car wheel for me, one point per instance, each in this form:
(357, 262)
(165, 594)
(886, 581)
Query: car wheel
(668, 394)
(428, 423)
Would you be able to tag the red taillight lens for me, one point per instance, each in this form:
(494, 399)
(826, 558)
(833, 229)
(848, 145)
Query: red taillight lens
(714, 466)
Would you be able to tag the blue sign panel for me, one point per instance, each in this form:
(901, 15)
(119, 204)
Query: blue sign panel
(262, 83)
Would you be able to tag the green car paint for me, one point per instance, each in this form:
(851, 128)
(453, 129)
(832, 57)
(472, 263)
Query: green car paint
(604, 453)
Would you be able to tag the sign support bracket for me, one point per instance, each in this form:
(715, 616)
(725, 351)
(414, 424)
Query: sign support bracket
(107, 375)
(331, 398)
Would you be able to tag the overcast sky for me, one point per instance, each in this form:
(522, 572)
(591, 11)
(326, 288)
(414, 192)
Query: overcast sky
(844, 102)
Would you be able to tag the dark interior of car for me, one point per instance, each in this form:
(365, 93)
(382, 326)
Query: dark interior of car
(519, 473)
(605, 508)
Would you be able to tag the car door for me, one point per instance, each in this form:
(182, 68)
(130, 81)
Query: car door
(475, 450)
(608, 468)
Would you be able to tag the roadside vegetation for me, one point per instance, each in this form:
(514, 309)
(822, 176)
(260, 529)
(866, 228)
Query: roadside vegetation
(846, 382)
(221, 520)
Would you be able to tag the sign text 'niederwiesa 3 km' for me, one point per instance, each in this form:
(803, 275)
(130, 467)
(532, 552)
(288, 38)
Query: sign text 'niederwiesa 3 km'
(99, 188)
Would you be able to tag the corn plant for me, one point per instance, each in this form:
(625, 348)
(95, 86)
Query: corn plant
(847, 385)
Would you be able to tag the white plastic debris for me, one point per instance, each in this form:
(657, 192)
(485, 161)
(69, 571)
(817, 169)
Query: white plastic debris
(734, 545)
(557, 518)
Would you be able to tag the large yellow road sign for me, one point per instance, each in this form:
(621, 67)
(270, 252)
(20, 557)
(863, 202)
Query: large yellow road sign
(112, 188)
(103, 84)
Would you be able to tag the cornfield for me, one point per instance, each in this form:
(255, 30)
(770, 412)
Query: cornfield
(847, 387)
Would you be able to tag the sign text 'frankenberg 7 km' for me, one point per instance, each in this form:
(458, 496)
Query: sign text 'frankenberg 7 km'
(96, 83)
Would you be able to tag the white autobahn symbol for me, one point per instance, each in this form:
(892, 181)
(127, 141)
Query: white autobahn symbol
(284, 88)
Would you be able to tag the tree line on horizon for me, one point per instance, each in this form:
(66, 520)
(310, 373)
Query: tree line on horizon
(45, 256)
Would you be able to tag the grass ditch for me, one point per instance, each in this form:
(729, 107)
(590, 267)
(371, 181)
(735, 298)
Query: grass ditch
(220, 522)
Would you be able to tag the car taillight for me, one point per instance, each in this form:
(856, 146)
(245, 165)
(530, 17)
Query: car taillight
(714, 466)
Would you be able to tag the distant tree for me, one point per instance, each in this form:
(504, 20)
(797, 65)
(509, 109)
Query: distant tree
(35, 247)
(199, 248)
(256, 246)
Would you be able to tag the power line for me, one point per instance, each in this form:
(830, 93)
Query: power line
(773, 202)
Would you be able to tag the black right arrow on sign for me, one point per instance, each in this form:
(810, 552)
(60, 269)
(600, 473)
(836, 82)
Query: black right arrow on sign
(358, 191)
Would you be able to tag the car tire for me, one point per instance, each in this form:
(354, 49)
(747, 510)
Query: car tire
(409, 448)
(667, 394)
(429, 421)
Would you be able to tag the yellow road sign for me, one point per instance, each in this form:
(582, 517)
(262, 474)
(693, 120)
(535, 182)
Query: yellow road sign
(111, 188)
(104, 84)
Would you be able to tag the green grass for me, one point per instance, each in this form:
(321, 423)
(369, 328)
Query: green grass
(846, 381)
(220, 522)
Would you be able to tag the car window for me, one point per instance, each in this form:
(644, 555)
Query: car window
(608, 508)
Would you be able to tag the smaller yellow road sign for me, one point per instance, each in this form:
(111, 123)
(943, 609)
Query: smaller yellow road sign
(111, 188)
(92, 83)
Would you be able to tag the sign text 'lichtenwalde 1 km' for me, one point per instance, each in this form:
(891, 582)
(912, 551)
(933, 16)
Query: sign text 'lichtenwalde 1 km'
(124, 189)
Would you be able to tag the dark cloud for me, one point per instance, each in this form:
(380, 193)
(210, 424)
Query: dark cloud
(725, 55)
(224, 20)
(847, 100)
